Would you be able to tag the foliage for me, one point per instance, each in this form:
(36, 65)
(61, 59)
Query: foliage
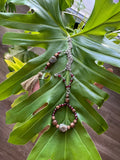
(21, 52)
(89, 45)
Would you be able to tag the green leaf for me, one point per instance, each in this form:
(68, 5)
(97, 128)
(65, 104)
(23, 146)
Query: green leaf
(88, 46)
(104, 18)
(30, 128)
(65, 146)
(21, 53)
(65, 4)
(2, 5)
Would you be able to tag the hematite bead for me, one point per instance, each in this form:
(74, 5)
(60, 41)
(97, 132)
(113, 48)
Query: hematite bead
(53, 59)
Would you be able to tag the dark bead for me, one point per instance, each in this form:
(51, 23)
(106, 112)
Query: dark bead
(72, 75)
(63, 80)
(59, 52)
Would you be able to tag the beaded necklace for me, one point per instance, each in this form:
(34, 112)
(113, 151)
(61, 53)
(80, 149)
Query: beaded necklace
(52, 60)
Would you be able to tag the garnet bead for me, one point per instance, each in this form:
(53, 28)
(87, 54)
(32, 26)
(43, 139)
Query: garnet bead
(59, 75)
(45, 67)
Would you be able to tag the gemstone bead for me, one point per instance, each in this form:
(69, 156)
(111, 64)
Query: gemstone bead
(54, 122)
(67, 100)
(53, 117)
(56, 54)
(48, 64)
(63, 127)
(57, 126)
(72, 125)
(53, 59)
(68, 127)
(45, 67)
(57, 107)
(67, 95)
(75, 121)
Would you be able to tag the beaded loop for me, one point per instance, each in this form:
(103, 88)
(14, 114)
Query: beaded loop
(64, 127)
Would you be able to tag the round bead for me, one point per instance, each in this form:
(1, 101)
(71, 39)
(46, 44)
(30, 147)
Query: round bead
(56, 54)
(45, 67)
(68, 127)
(59, 52)
(72, 125)
(63, 80)
(67, 95)
(53, 59)
(59, 75)
(54, 122)
(57, 107)
(53, 117)
(67, 100)
(75, 121)
(57, 126)
(72, 75)
(73, 110)
(48, 64)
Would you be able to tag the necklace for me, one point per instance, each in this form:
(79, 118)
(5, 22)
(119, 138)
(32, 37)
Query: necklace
(52, 60)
